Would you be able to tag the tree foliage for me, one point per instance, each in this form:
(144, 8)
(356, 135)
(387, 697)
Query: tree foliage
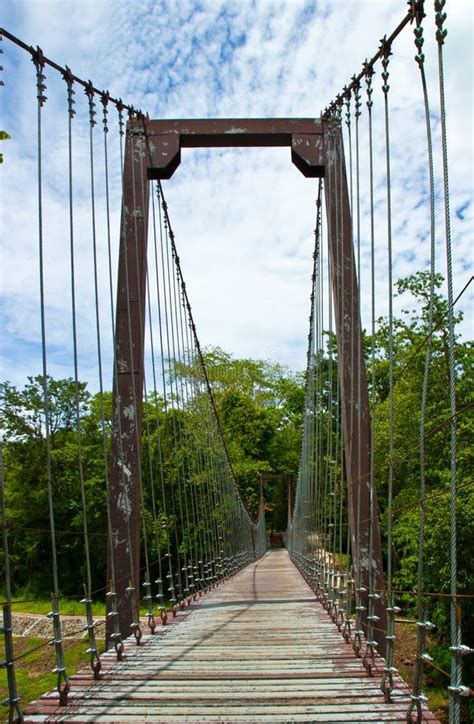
(260, 407)
(411, 334)
(4, 136)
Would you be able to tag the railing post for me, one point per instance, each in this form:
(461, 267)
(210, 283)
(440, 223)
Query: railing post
(13, 700)
(352, 375)
(125, 468)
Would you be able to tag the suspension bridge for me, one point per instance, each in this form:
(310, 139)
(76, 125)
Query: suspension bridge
(231, 631)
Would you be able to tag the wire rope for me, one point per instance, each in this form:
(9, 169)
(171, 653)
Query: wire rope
(62, 681)
(89, 626)
(456, 688)
(370, 650)
(417, 697)
(387, 683)
(114, 629)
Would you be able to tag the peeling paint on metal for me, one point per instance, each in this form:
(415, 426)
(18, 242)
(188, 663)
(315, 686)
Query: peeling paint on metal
(124, 503)
(129, 412)
(235, 129)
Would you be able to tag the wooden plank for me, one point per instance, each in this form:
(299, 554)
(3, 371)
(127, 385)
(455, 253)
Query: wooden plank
(257, 649)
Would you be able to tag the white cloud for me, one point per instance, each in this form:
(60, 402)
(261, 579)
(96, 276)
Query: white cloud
(243, 218)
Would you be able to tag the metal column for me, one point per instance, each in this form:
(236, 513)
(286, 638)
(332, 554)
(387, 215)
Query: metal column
(125, 468)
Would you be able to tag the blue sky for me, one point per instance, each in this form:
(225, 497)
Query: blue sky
(243, 219)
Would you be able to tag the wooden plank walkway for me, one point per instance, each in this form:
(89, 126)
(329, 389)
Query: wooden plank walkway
(257, 649)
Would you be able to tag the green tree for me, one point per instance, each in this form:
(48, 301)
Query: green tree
(260, 406)
(4, 136)
(25, 455)
(410, 337)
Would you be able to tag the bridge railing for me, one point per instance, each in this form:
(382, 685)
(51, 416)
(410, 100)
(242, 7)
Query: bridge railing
(116, 484)
(376, 402)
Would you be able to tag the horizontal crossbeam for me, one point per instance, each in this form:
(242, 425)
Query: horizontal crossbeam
(303, 135)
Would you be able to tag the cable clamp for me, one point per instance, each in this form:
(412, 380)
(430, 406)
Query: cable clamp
(120, 108)
(440, 17)
(416, 11)
(419, 697)
(11, 700)
(38, 59)
(426, 624)
(463, 691)
(462, 650)
(55, 642)
(59, 669)
(69, 79)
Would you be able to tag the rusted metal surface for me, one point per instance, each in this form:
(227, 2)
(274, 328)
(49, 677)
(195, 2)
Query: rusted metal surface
(257, 649)
(302, 135)
(125, 473)
(355, 404)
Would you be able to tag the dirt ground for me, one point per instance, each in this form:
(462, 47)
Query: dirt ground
(30, 624)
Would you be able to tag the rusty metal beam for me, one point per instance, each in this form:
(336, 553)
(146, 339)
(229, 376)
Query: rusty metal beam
(125, 469)
(352, 375)
(302, 135)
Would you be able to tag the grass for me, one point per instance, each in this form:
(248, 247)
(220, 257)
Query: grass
(67, 606)
(35, 662)
(42, 606)
(36, 659)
